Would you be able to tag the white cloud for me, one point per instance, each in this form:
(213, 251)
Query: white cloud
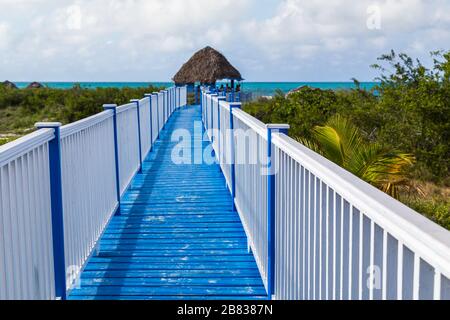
(74, 17)
(4, 35)
(323, 32)
(150, 39)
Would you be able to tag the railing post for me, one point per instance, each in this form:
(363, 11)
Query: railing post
(163, 110)
(138, 109)
(56, 208)
(157, 113)
(196, 94)
(232, 155)
(149, 96)
(205, 106)
(211, 129)
(179, 97)
(166, 107)
(207, 93)
(201, 100)
(113, 107)
(171, 101)
(271, 172)
(218, 130)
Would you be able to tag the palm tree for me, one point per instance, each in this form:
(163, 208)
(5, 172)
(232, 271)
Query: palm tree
(343, 143)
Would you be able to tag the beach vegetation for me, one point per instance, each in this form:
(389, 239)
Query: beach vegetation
(20, 109)
(407, 112)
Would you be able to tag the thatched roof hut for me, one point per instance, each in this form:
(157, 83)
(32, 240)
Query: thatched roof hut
(8, 84)
(301, 88)
(206, 66)
(35, 85)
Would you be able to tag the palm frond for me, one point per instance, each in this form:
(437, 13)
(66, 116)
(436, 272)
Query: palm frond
(339, 138)
(342, 142)
(330, 143)
(310, 144)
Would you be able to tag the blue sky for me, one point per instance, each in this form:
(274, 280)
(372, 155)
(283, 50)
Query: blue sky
(267, 40)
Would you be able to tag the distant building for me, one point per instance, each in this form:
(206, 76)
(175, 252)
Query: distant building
(35, 85)
(8, 84)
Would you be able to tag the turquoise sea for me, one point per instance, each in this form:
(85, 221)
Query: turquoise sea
(257, 88)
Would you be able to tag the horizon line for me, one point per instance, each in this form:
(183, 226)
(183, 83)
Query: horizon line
(165, 81)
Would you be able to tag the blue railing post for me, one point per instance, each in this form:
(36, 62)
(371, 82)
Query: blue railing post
(179, 96)
(166, 108)
(271, 172)
(56, 208)
(232, 155)
(157, 112)
(175, 98)
(218, 130)
(138, 110)
(206, 109)
(168, 104)
(113, 107)
(211, 128)
(196, 94)
(169, 95)
(149, 96)
(171, 101)
(207, 93)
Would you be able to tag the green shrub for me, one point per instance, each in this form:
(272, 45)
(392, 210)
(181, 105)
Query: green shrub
(20, 109)
(409, 111)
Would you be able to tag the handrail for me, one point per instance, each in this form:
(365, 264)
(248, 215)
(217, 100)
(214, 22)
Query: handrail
(125, 107)
(420, 233)
(82, 124)
(258, 126)
(22, 145)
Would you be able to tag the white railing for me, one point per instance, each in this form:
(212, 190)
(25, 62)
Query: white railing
(335, 236)
(128, 142)
(95, 155)
(144, 108)
(181, 96)
(26, 259)
(88, 184)
(161, 110)
(155, 125)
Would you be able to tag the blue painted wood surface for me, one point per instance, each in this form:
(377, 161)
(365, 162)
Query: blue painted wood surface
(176, 237)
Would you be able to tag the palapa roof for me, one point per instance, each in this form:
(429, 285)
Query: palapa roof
(8, 84)
(206, 66)
(304, 87)
(35, 85)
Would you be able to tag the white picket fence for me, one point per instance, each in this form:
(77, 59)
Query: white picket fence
(88, 187)
(336, 237)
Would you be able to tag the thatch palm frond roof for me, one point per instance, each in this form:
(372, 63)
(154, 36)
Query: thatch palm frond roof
(35, 85)
(206, 66)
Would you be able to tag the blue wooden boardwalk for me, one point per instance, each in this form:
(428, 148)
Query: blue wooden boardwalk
(177, 237)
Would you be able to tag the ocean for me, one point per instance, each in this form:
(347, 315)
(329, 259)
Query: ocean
(257, 88)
